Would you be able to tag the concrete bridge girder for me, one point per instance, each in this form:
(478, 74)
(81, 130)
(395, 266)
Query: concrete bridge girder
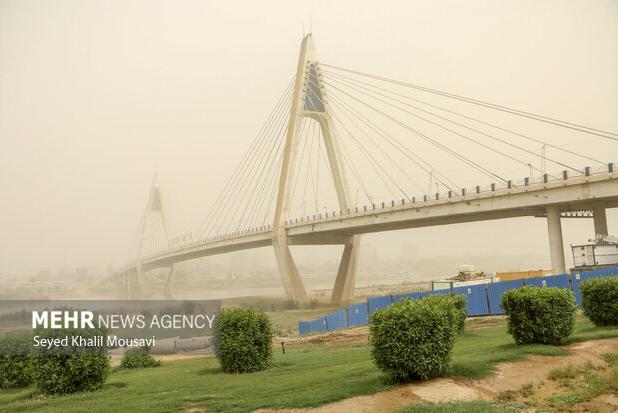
(602, 194)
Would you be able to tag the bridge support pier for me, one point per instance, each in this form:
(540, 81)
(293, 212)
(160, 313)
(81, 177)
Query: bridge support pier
(346, 275)
(294, 288)
(556, 246)
(134, 282)
(600, 219)
(124, 281)
(168, 284)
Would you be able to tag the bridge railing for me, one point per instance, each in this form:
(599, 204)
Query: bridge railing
(426, 200)
(482, 299)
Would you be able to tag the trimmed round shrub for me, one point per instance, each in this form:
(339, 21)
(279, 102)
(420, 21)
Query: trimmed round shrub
(71, 369)
(600, 300)
(461, 308)
(243, 340)
(413, 339)
(539, 314)
(136, 358)
(15, 360)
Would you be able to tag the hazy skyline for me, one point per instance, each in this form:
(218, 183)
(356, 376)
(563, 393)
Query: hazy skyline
(97, 96)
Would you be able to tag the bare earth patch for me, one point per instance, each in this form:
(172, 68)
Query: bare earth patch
(349, 336)
(360, 335)
(115, 359)
(531, 373)
(535, 369)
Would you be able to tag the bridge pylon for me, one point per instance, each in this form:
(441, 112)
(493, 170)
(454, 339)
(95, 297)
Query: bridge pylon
(154, 206)
(308, 101)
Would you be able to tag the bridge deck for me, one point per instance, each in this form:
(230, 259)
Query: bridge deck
(570, 194)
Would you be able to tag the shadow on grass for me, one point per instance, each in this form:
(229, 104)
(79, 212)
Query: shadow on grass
(282, 363)
(210, 371)
(18, 394)
(115, 385)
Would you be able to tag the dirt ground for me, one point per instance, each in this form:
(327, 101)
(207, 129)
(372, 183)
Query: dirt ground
(170, 357)
(349, 336)
(360, 335)
(532, 372)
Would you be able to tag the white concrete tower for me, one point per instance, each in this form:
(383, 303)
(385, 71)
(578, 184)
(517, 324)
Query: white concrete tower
(154, 206)
(308, 100)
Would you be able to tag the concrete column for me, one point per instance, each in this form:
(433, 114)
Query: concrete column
(168, 285)
(343, 291)
(600, 219)
(556, 248)
(292, 283)
(134, 282)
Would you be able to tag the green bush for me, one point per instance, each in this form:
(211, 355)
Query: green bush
(243, 340)
(139, 357)
(70, 369)
(600, 300)
(15, 360)
(539, 314)
(414, 338)
(459, 308)
(460, 303)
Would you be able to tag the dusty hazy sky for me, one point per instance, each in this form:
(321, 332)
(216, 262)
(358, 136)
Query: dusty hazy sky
(97, 95)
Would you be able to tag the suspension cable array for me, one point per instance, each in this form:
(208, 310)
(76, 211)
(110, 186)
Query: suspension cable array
(398, 141)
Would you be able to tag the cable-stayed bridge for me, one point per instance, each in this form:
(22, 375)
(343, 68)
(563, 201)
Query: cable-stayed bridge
(408, 152)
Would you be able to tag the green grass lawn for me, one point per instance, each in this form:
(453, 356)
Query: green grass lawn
(308, 375)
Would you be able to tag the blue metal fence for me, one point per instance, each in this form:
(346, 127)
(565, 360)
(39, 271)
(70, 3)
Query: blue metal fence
(337, 320)
(304, 327)
(577, 279)
(495, 291)
(432, 292)
(536, 282)
(483, 299)
(395, 298)
(414, 296)
(398, 297)
(375, 303)
(476, 299)
(319, 325)
(558, 281)
(358, 315)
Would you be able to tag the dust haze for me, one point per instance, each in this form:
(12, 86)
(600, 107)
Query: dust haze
(97, 96)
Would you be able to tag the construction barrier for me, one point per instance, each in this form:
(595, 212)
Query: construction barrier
(398, 297)
(577, 279)
(414, 296)
(558, 281)
(424, 294)
(358, 315)
(476, 297)
(603, 272)
(482, 299)
(495, 291)
(305, 327)
(535, 282)
(319, 325)
(337, 320)
(395, 298)
(375, 303)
